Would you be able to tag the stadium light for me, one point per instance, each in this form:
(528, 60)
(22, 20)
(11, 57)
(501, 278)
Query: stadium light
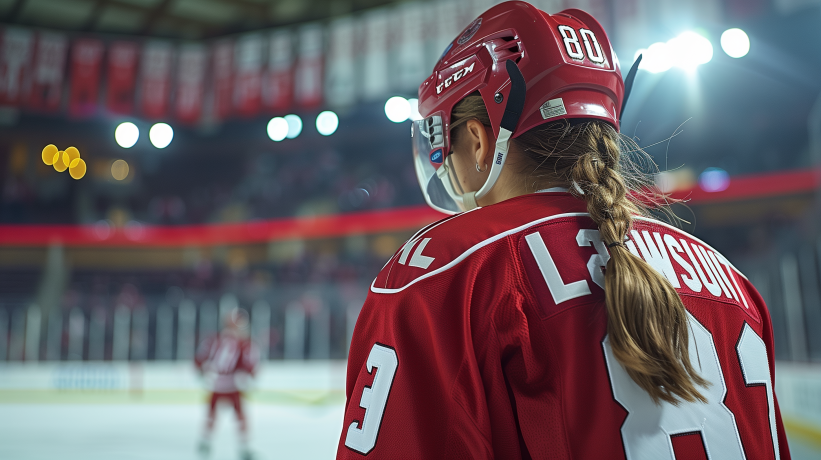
(277, 129)
(689, 50)
(397, 109)
(656, 58)
(126, 134)
(327, 122)
(161, 135)
(714, 180)
(735, 43)
(119, 170)
(294, 126)
(414, 112)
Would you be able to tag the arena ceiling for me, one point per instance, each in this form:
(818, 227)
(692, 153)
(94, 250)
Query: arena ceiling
(187, 19)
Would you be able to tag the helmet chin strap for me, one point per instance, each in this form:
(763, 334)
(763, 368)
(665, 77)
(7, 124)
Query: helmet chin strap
(513, 110)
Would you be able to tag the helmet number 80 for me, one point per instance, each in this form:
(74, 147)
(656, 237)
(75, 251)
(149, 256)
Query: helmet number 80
(574, 47)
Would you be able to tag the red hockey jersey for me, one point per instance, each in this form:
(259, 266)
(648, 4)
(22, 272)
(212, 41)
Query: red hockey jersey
(485, 337)
(224, 357)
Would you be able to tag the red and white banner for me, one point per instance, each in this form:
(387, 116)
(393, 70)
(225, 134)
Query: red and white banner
(248, 74)
(193, 59)
(223, 78)
(86, 62)
(340, 67)
(277, 87)
(308, 71)
(46, 90)
(122, 77)
(375, 58)
(155, 79)
(410, 65)
(15, 59)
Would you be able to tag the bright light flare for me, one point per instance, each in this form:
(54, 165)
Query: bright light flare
(714, 180)
(161, 135)
(119, 170)
(398, 109)
(126, 134)
(656, 58)
(689, 50)
(414, 106)
(294, 126)
(735, 43)
(327, 122)
(277, 129)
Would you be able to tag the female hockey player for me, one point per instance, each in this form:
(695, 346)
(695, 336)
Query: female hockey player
(550, 318)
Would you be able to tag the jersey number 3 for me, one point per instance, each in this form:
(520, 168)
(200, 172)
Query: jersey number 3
(374, 398)
(647, 431)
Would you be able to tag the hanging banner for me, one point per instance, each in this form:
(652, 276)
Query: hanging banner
(188, 99)
(248, 74)
(308, 72)
(277, 87)
(46, 91)
(86, 61)
(122, 77)
(155, 79)
(340, 70)
(15, 59)
(411, 68)
(442, 29)
(375, 58)
(223, 90)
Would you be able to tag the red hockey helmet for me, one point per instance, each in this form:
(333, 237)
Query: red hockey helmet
(530, 68)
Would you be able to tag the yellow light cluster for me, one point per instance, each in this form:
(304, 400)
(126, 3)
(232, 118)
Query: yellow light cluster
(67, 159)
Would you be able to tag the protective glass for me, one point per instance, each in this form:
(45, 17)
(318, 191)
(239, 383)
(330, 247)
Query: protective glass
(433, 165)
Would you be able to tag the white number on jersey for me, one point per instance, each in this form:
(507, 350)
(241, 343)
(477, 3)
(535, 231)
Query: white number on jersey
(374, 399)
(226, 357)
(757, 372)
(647, 431)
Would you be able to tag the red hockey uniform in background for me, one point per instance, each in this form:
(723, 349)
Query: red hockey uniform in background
(228, 359)
(485, 336)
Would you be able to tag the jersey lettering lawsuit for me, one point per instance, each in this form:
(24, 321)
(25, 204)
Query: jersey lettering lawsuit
(501, 330)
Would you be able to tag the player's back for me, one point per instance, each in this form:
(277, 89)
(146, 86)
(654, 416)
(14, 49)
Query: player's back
(603, 411)
(491, 330)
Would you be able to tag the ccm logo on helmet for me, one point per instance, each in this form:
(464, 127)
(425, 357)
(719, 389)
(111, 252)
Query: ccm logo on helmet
(455, 77)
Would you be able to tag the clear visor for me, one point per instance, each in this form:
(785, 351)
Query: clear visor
(433, 169)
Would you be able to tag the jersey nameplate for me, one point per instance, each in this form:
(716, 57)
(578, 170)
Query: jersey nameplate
(568, 263)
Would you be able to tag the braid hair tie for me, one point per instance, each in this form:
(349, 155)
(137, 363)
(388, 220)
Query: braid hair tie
(617, 243)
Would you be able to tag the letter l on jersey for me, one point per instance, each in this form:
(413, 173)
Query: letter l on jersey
(417, 260)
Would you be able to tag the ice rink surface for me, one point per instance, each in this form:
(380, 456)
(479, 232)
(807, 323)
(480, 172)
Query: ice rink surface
(171, 431)
(163, 431)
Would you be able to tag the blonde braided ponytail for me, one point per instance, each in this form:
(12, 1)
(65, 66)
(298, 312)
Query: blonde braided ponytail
(646, 320)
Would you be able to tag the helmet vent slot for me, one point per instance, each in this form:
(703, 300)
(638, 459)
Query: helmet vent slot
(508, 48)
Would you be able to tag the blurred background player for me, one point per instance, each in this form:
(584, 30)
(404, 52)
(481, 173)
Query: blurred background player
(227, 360)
